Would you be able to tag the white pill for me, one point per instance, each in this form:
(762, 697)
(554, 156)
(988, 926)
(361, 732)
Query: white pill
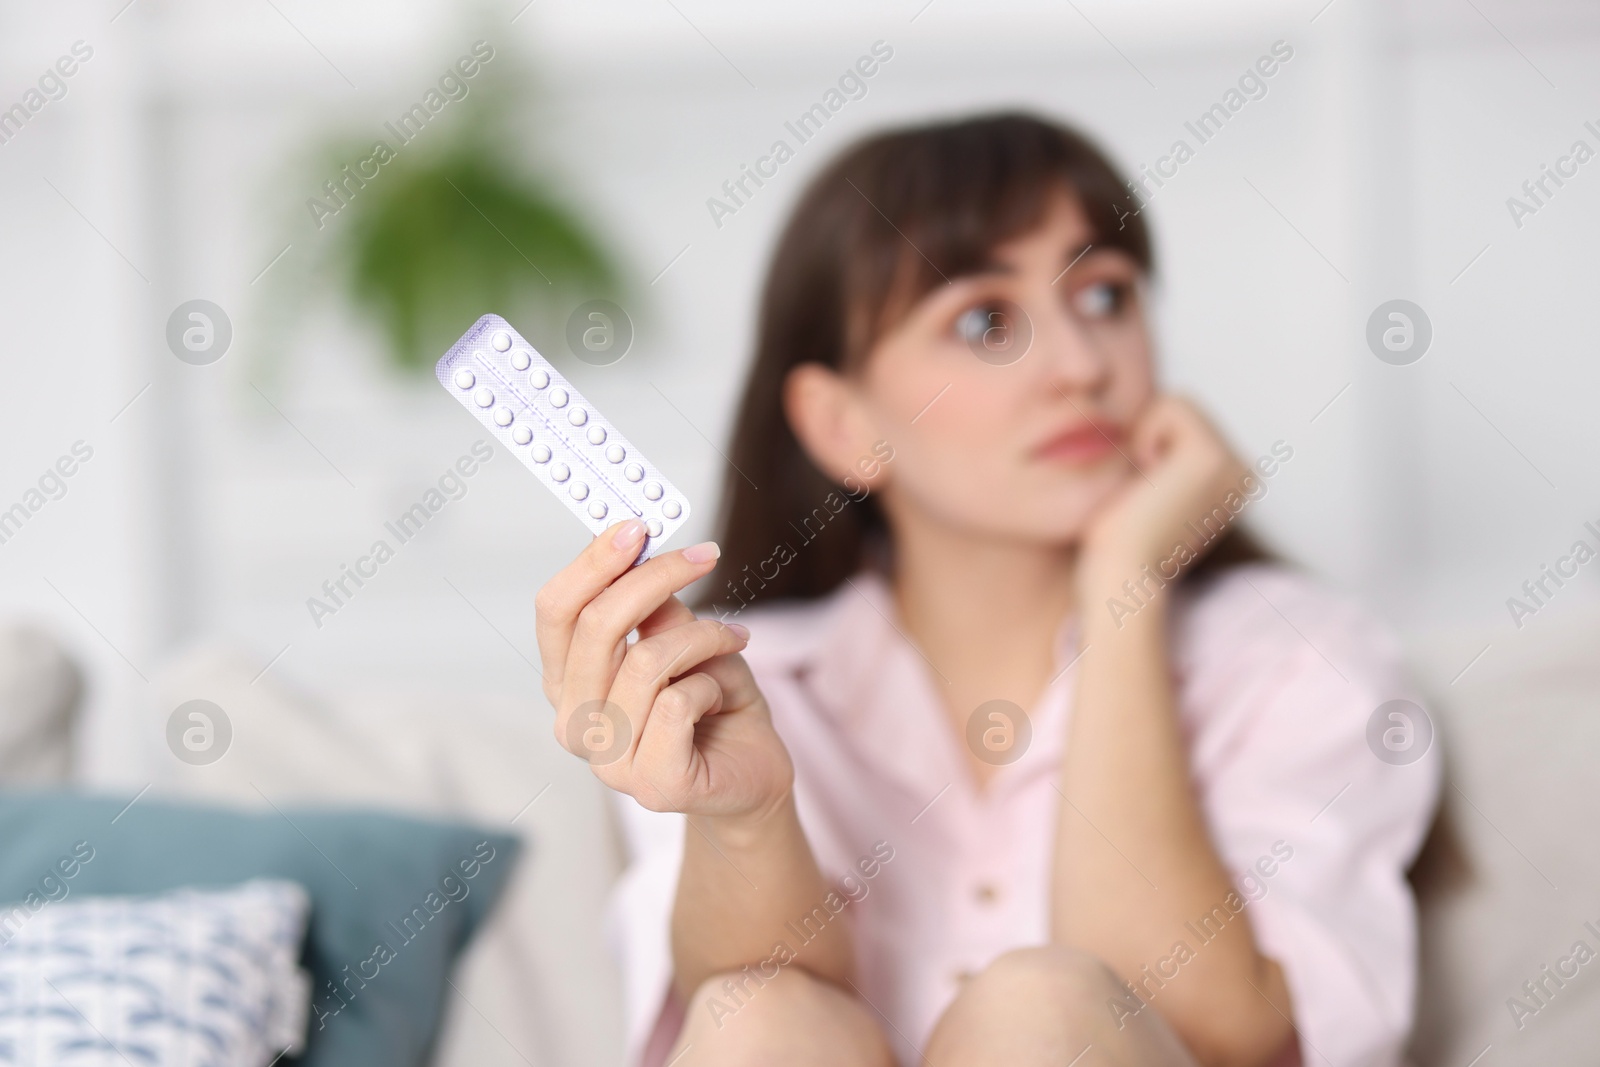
(652, 527)
(540, 378)
(597, 434)
(652, 490)
(598, 509)
(615, 453)
(541, 453)
(577, 416)
(672, 509)
(483, 397)
(633, 472)
(579, 490)
(502, 416)
(465, 379)
(502, 341)
(560, 472)
(558, 397)
(520, 360)
(522, 435)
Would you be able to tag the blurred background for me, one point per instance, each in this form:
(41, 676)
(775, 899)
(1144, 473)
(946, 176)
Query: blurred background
(180, 159)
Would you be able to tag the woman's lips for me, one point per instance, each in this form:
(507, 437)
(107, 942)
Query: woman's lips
(1081, 445)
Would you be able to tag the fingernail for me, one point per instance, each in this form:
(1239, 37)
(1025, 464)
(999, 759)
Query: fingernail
(704, 552)
(628, 533)
(742, 630)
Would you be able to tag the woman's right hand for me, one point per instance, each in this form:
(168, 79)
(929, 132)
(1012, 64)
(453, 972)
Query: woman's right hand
(674, 720)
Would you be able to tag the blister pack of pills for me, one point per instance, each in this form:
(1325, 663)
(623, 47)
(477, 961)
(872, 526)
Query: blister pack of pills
(547, 424)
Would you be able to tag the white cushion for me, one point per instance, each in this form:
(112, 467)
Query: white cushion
(1517, 719)
(190, 978)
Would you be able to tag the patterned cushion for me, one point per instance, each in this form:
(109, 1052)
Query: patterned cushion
(191, 978)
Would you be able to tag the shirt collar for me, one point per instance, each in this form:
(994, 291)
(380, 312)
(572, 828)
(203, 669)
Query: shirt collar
(850, 654)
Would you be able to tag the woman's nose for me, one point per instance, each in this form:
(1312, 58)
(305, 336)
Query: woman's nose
(1063, 351)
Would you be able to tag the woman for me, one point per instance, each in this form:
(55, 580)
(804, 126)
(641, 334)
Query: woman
(998, 747)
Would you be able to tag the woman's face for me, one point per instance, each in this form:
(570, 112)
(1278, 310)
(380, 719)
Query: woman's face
(1008, 394)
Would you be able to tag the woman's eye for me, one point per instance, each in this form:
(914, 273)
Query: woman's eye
(997, 331)
(983, 324)
(1099, 301)
(991, 323)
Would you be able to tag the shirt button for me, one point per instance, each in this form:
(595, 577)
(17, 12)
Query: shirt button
(962, 976)
(985, 893)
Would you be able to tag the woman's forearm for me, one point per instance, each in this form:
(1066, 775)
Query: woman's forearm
(750, 895)
(1134, 862)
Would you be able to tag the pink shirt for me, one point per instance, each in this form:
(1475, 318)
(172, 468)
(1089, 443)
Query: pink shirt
(1276, 678)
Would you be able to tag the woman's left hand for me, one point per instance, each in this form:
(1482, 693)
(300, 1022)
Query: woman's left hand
(1185, 473)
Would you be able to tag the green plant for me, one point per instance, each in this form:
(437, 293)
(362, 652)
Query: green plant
(453, 228)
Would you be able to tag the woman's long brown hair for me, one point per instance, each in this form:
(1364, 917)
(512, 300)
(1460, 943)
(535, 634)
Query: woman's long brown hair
(887, 221)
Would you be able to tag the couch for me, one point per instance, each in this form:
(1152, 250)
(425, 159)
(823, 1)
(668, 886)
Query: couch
(1507, 880)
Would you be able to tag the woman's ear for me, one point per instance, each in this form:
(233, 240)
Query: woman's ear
(828, 418)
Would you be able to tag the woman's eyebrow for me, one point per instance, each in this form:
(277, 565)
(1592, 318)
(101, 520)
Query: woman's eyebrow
(1078, 254)
(1070, 257)
(989, 266)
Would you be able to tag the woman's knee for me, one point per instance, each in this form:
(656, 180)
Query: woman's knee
(793, 1018)
(1066, 978)
(1046, 1005)
(1030, 1006)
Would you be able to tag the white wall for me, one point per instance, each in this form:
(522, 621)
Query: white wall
(1389, 143)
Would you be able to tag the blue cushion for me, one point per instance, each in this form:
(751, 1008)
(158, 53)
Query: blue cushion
(393, 900)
